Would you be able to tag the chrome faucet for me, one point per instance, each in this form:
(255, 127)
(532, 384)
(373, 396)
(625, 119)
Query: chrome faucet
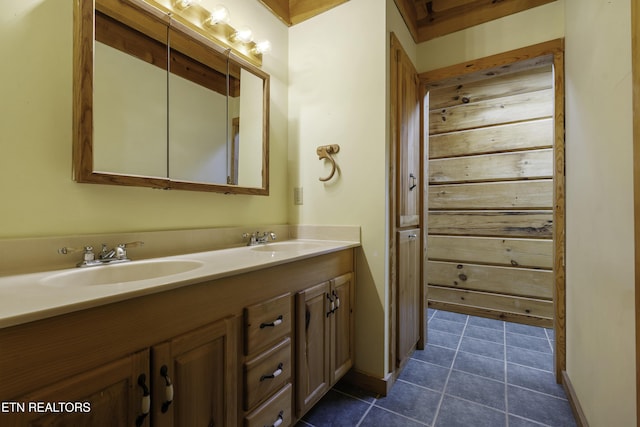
(107, 256)
(259, 239)
(118, 253)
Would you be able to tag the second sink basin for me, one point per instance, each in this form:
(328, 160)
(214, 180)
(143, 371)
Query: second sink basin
(287, 246)
(119, 273)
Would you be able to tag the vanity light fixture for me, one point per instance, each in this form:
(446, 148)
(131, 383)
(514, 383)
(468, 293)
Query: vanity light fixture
(243, 35)
(219, 14)
(213, 24)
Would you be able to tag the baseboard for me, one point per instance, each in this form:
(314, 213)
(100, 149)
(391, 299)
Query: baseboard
(380, 386)
(578, 414)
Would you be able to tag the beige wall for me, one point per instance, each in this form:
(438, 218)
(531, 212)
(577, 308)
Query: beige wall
(599, 203)
(337, 96)
(39, 197)
(600, 246)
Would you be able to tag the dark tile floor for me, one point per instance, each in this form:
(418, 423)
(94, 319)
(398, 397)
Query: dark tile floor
(474, 372)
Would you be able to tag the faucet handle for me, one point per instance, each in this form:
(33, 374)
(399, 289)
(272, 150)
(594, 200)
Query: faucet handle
(67, 250)
(88, 255)
(121, 249)
(135, 244)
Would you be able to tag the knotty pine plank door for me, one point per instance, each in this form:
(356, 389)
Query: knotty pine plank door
(490, 196)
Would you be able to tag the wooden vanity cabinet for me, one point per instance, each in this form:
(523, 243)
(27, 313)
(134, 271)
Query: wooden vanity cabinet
(111, 395)
(188, 380)
(268, 364)
(193, 377)
(324, 338)
(225, 352)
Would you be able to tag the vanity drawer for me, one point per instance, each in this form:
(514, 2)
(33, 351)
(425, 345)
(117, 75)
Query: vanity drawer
(274, 412)
(267, 323)
(267, 373)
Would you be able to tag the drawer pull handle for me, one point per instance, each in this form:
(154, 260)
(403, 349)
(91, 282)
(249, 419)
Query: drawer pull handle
(412, 184)
(145, 405)
(276, 373)
(278, 421)
(168, 389)
(276, 322)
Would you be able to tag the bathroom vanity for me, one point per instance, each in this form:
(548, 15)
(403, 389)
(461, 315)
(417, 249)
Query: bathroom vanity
(252, 342)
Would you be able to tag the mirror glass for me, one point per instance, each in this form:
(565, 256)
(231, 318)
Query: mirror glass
(197, 89)
(247, 122)
(170, 108)
(129, 101)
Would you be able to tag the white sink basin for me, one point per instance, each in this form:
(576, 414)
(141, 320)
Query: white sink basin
(119, 273)
(287, 246)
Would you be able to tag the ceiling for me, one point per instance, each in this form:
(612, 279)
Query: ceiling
(426, 19)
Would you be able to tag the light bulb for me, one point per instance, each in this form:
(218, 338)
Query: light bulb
(244, 35)
(183, 4)
(219, 14)
(262, 47)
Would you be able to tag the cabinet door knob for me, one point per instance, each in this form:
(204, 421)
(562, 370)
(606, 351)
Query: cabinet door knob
(278, 421)
(332, 304)
(276, 322)
(145, 405)
(275, 373)
(168, 389)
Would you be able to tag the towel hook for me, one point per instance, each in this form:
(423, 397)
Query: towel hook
(325, 152)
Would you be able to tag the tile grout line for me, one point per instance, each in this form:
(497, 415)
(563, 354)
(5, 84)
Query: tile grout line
(538, 392)
(399, 415)
(549, 340)
(453, 361)
(373, 402)
(489, 341)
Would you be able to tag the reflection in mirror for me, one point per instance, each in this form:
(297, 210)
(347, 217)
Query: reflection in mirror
(247, 132)
(158, 104)
(130, 114)
(197, 113)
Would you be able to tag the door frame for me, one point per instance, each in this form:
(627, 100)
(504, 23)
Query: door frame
(551, 52)
(635, 66)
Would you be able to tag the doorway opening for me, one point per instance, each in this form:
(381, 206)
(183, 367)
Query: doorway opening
(494, 133)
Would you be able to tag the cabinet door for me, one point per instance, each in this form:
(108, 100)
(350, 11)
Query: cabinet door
(408, 293)
(313, 377)
(194, 377)
(111, 395)
(407, 128)
(342, 323)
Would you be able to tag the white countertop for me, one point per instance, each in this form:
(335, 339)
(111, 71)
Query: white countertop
(30, 297)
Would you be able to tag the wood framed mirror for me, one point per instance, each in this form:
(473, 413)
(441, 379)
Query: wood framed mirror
(158, 104)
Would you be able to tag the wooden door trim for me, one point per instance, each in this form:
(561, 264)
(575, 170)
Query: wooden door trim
(550, 52)
(635, 64)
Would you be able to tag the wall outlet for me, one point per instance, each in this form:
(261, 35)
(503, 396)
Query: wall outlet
(297, 195)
